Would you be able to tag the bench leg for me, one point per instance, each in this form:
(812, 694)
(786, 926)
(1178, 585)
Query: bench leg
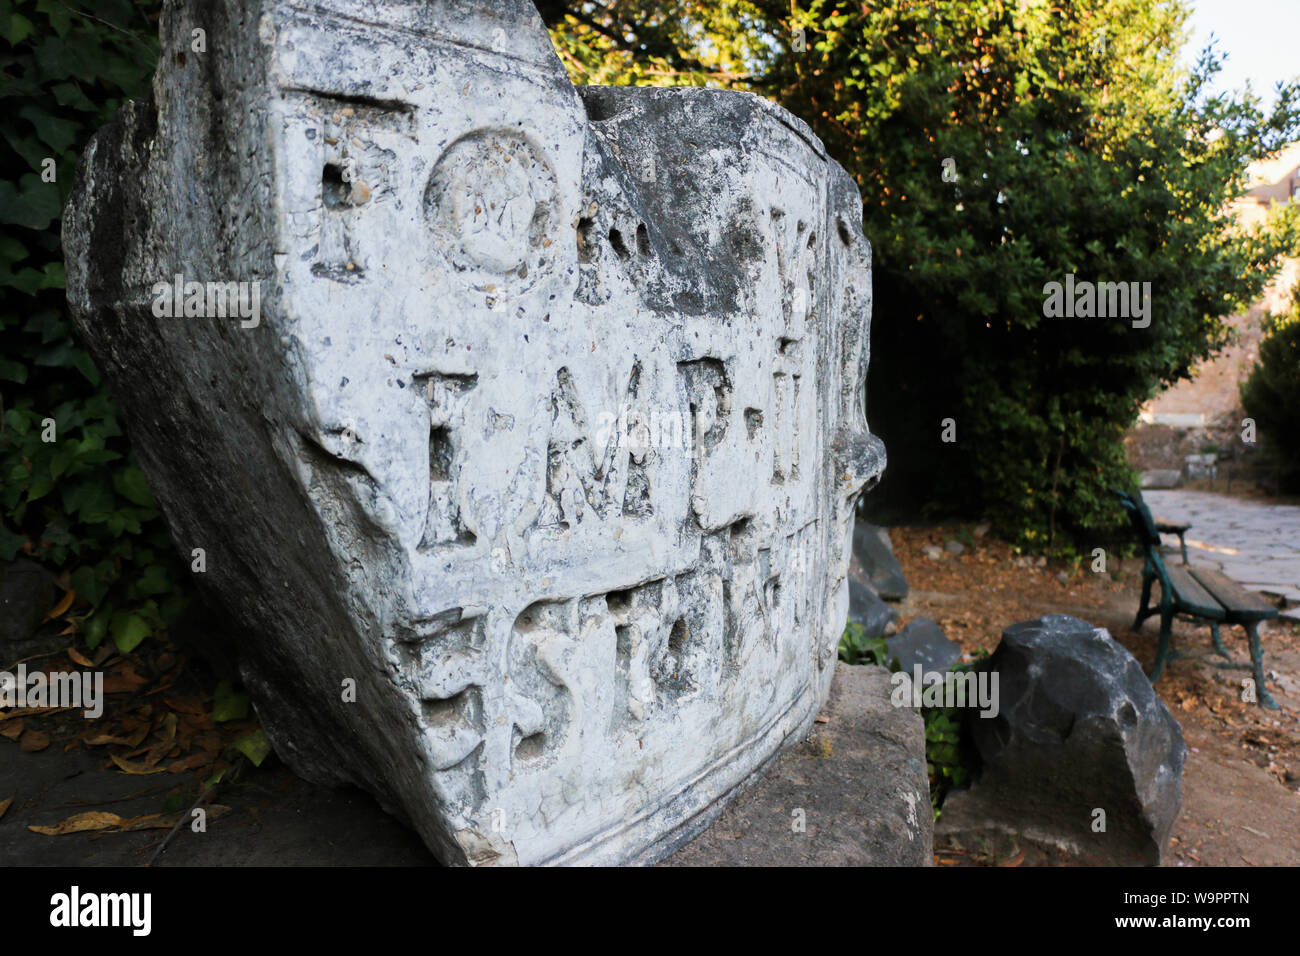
(1143, 613)
(1162, 655)
(1183, 544)
(1218, 641)
(1262, 695)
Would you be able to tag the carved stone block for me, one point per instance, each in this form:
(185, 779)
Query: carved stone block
(531, 479)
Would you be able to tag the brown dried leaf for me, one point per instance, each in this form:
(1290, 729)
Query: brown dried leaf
(13, 730)
(165, 821)
(127, 766)
(186, 705)
(62, 607)
(4, 807)
(30, 711)
(33, 741)
(124, 681)
(79, 658)
(192, 762)
(81, 822)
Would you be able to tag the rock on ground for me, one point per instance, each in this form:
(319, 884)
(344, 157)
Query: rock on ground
(875, 564)
(867, 609)
(1079, 730)
(923, 642)
(26, 596)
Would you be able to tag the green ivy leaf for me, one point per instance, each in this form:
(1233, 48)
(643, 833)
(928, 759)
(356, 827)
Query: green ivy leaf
(228, 703)
(155, 580)
(97, 628)
(10, 544)
(132, 485)
(254, 746)
(13, 371)
(128, 630)
(18, 29)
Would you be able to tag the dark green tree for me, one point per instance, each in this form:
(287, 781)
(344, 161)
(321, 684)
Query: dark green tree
(1271, 395)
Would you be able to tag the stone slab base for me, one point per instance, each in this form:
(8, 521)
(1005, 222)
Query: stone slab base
(852, 793)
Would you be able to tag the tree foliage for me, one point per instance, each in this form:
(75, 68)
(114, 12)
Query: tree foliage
(71, 493)
(1271, 395)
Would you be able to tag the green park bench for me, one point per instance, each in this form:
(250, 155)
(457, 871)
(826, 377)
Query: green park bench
(1195, 594)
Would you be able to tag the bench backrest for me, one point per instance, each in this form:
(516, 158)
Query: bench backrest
(1139, 517)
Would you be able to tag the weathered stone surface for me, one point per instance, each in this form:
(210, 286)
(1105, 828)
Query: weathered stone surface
(546, 436)
(867, 609)
(859, 781)
(923, 642)
(873, 560)
(1079, 730)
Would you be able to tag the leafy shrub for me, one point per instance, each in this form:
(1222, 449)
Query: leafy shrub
(857, 648)
(1271, 395)
(72, 494)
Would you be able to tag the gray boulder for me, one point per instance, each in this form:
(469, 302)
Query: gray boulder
(866, 608)
(873, 558)
(1079, 730)
(923, 642)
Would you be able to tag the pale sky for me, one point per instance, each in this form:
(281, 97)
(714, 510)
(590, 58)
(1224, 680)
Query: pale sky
(1260, 37)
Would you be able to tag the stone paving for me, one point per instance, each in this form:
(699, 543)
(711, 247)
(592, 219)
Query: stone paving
(1257, 545)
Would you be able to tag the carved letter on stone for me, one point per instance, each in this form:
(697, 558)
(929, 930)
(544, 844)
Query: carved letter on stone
(555, 458)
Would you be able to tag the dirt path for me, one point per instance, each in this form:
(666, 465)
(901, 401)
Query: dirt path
(1241, 781)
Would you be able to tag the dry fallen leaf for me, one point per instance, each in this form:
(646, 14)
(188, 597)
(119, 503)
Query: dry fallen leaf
(79, 658)
(33, 741)
(13, 730)
(186, 705)
(79, 823)
(192, 762)
(165, 821)
(124, 681)
(29, 711)
(164, 744)
(4, 806)
(127, 766)
(61, 608)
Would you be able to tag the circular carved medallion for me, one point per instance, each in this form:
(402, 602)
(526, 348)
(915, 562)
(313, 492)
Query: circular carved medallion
(492, 203)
